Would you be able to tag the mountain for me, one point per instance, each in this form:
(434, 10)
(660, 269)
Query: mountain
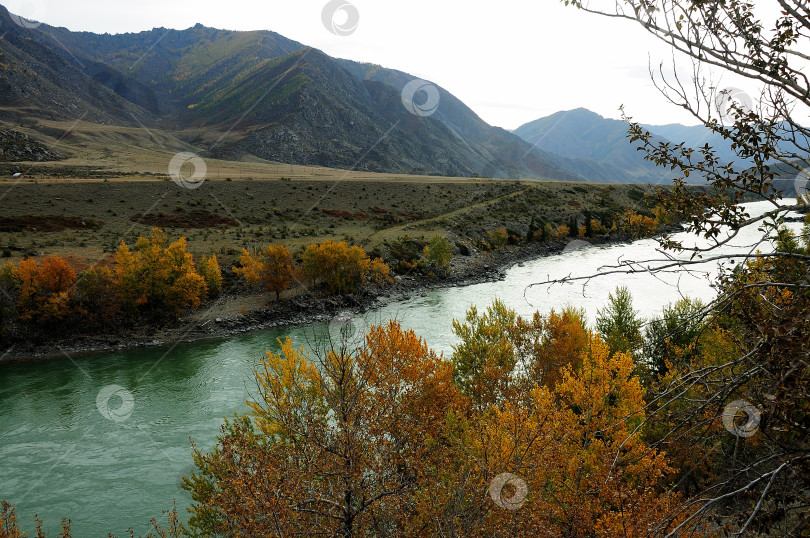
(37, 80)
(248, 95)
(695, 136)
(507, 150)
(584, 135)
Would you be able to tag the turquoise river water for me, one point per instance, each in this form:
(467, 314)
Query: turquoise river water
(60, 456)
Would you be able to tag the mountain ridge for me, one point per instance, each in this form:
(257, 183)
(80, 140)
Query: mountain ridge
(246, 95)
(255, 95)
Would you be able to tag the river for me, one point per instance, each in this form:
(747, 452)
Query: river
(60, 456)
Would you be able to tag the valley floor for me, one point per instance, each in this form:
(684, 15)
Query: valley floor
(84, 220)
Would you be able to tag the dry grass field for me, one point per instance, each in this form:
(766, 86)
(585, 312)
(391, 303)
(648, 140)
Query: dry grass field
(115, 186)
(82, 219)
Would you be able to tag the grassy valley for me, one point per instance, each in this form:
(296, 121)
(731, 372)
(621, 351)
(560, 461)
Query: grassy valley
(300, 206)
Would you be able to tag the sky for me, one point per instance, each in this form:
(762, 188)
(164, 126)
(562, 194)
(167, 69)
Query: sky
(511, 61)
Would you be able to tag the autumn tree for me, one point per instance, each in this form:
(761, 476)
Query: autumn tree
(273, 268)
(562, 231)
(763, 302)
(340, 268)
(575, 452)
(45, 289)
(636, 225)
(158, 276)
(438, 251)
(335, 444)
(97, 295)
(185, 287)
(212, 274)
(598, 475)
(502, 355)
(498, 238)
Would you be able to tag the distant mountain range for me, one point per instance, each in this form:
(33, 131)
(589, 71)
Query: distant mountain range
(582, 134)
(259, 95)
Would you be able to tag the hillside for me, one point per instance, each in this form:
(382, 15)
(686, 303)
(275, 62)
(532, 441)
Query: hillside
(246, 96)
(584, 135)
(255, 95)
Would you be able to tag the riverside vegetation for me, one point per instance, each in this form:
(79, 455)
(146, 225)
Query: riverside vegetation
(389, 438)
(155, 280)
(696, 423)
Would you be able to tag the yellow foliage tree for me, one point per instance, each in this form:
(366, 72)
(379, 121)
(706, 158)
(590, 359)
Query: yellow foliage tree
(272, 268)
(340, 268)
(336, 444)
(573, 456)
(606, 479)
(636, 225)
(45, 289)
(212, 274)
(502, 355)
(158, 276)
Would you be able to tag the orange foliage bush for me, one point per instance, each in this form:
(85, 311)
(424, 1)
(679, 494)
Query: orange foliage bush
(158, 277)
(342, 269)
(272, 268)
(636, 225)
(562, 231)
(45, 289)
(498, 238)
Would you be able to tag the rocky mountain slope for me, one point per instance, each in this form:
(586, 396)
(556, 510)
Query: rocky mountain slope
(248, 95)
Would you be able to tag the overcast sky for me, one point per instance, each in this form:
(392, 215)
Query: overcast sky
(511, 61)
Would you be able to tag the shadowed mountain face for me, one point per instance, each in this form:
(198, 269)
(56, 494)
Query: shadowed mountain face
(584, 136)
(243, 95)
